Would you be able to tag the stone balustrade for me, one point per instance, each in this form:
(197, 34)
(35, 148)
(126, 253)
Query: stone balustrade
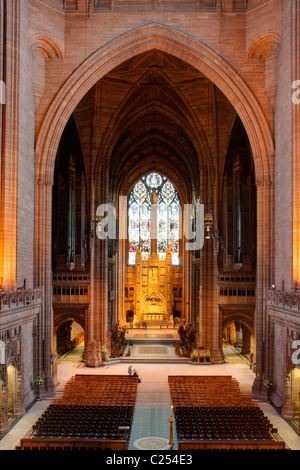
(71, 288)
(282, 299)
(236, 290)
(159, 5)
(20, 298)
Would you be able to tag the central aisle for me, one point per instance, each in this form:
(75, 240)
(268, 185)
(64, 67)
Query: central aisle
(150, 427)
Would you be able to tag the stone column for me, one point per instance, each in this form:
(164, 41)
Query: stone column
(91, 352)
(9, 66)
(296, 142)
(212, 317)
(263, 281)
(98, 308)
(246, 340)
(43, 277)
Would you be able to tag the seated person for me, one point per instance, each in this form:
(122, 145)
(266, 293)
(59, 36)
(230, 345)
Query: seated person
(136, 375)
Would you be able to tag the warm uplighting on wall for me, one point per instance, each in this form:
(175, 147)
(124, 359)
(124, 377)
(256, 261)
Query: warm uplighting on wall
(296, 255)
(8, 279)
(296, 221)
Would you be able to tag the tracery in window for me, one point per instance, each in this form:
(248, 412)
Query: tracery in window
(168, 217)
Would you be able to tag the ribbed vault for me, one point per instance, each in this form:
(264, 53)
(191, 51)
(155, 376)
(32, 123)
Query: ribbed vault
(155, 112)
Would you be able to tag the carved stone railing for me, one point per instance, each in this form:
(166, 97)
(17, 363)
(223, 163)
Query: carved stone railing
(161, 5)
(284, 300)
(158, 5)
(236, 290)
(20, 298)
(71, 288)
(71, 277)
(91, 6)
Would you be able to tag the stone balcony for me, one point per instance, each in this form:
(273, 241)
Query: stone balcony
(158, 5)
(233, 290)
(16, 299)
(288, 301)
(71, 288)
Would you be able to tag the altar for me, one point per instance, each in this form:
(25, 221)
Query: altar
(153, 291)
(152, 345)
(156, 317)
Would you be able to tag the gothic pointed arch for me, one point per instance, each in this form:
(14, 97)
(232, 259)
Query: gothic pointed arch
(164, 38)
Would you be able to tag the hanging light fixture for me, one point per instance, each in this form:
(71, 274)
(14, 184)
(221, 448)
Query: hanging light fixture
(208, 223)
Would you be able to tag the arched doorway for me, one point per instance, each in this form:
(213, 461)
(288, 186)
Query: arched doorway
(13, 392)
(294, 396)
(238, 337)
(69, 336)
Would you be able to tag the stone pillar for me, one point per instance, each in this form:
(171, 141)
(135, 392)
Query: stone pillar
(91, 352)
(246, 340)
(263, 281)
(101, 291)
(213, 316)
(43, 277)
(9, 67)
(98, 308)
(296, 142)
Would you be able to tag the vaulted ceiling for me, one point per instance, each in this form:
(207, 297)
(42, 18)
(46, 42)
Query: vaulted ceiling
(154, 112)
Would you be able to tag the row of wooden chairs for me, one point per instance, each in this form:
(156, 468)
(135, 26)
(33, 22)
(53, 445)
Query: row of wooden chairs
(213, 391)
(99, 390)
(93, 408)
(220, 423)
(213, 408)
(84, 421)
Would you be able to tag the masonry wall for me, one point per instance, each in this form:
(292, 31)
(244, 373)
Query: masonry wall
(283, 165)
(26, 157)
(83, 35)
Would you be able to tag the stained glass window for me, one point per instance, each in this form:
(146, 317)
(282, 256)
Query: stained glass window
(157, 189)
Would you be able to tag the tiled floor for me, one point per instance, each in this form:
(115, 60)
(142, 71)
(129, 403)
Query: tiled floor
(153, 399)
(152, 412)
(152, 350)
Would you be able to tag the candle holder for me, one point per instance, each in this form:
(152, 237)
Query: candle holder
(171, 421)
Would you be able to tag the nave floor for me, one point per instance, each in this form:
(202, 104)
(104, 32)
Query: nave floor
(150, 429)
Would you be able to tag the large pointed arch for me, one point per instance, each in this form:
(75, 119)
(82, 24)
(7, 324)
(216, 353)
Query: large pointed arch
(174, 42)
(169, 40)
